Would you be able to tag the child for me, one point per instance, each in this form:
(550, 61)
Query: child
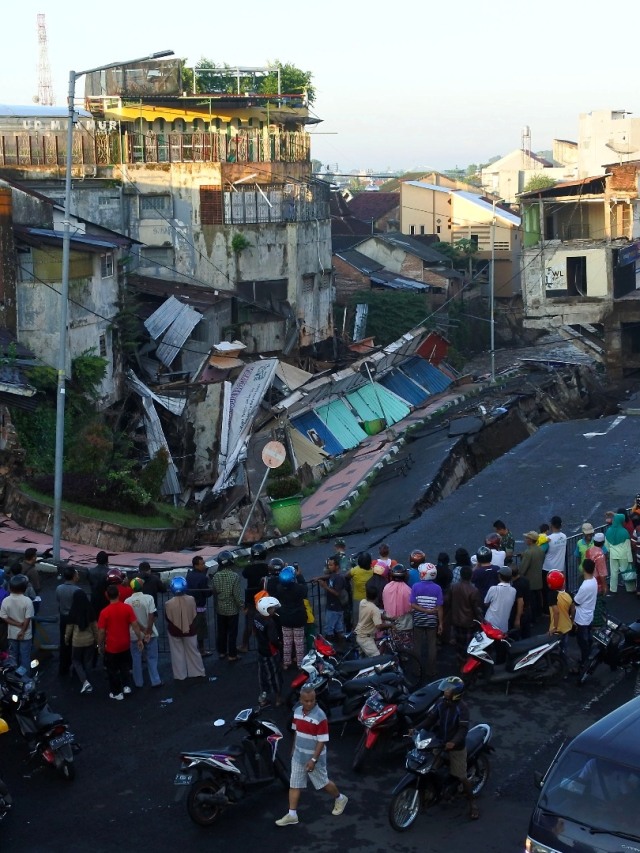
(269, 651)
(560, 609)
(543, 539)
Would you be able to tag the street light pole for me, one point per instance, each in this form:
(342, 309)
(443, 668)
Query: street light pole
(64, 295)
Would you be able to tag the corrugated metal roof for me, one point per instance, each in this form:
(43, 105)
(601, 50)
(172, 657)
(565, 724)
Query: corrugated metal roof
(177, 321)
(359, 261)
(427, 186)
(310, 423)
(386, 278)
(342, 423)
(425, 374)
(78, 240)
(304, 450)
(500, 213)
(414, 246)
(163, 317)
(373, 401)
(404, 387)
(175, 405)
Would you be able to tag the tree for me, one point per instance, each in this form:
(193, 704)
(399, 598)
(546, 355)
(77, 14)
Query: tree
(538, 182)
(212, 78)
(293, 81)
(460, 252)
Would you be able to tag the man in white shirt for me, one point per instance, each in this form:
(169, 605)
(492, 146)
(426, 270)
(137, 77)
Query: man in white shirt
(585, 605)
(555, 558)
(500, 599)
(17, 611)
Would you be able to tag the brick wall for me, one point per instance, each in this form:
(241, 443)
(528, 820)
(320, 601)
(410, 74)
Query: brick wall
(348, 281)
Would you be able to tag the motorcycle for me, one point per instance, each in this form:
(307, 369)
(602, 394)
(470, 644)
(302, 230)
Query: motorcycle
(219, 778)
(340, 692)
(428, 781)
(616, 644)
(6, 801)
(390, 649)
(47, 734)
(536, 659)
(391, 713)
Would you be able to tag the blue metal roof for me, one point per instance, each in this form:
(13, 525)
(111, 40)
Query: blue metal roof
(425, 374)
(372, 401)
(310, 423)
(404, 387)
(80, 239)
(339, 419)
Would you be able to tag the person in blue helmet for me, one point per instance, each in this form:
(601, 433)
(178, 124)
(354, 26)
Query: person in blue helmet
(180, 612)
(293, 615)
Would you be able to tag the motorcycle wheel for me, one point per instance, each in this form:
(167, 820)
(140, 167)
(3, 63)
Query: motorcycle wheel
(404, 809)
(281, 773)
(360, 754)
(411, 668)
(67, 770)
(203, 813)
(478, 773)
(589, 669)
(556, 670)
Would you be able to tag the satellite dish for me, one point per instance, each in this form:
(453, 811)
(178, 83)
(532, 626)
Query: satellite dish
(367, 369)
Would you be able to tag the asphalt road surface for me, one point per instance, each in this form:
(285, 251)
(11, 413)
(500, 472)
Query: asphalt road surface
(123, 797)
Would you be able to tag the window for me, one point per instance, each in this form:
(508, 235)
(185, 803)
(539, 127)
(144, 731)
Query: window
(307, 283)
(103, 346)
(473, 239)
(106, 265)
(106, 201)
(437, 229)
(155, 206)
(412, 229)
(577, 276)
(264, 293)
(210, 206)
(158, 256)
(422, 229)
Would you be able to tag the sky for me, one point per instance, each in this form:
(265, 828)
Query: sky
(418, 85)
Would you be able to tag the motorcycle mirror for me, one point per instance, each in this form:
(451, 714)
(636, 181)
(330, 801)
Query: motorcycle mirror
(218, 723)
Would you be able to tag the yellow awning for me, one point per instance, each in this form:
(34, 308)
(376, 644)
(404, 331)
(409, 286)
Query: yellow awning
(150, 113)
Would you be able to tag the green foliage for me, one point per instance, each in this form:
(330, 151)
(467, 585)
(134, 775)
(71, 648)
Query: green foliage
(92, 449)
(392, 313)
(239, 242)
(153, 474)
(222, 79)
(44, 379)
(459, 252)
(87, 372)
(130, 489)
(127, 324)
(538, 182)
(282, 482)
(36, 432)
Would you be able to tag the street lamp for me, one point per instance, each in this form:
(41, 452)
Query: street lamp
(492, 284)
(64, 295)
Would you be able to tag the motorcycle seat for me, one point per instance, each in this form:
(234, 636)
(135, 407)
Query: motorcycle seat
(419, 702)
(46, 717)
(233, 751)
(359, 686)
(350, 666)
(521, 646)
(475, 737)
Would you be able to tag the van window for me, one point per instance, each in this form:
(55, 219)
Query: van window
(601, 794)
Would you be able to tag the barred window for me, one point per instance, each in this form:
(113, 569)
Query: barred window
(211, 206)
(155, 206)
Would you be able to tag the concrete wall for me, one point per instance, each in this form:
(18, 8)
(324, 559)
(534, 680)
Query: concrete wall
(421, 208)
(606, 136)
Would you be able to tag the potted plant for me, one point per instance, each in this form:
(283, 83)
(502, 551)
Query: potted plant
(284, 489)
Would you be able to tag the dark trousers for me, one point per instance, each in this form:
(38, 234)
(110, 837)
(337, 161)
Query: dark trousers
(202, 629)
(118, 666)
(227, 635)
(64, 650)
(583, 636)
(426, 645)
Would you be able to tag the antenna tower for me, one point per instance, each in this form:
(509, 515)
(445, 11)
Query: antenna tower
(45, 87)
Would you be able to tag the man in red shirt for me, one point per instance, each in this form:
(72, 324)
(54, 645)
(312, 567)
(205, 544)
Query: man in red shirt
(113, 641)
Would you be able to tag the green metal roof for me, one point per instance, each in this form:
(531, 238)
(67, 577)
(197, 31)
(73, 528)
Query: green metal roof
(373, 401)
(339, 419)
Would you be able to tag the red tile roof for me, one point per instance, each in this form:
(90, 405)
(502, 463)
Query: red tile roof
(373, 205)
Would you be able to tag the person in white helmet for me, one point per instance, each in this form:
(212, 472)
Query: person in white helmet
(269, 651)
(427, 606)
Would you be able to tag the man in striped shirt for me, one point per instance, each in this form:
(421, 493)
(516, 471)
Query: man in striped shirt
(309, 756)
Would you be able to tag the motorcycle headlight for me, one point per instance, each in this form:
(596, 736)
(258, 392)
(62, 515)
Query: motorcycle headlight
(422, 742)
(14, 697)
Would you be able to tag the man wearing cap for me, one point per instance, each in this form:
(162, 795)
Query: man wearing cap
(531, 569)
(146, 612)
(583, 544)
(499, 600)
(428, 613)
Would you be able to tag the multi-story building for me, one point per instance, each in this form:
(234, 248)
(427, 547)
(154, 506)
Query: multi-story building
(581, 262)
(217, 189)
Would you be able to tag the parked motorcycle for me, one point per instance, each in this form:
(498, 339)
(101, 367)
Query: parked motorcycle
(616, 644)
(219, 778)
(405, 658)
(47, 734)
(6, 801)
(536, 659)
(390, 713)
(341, 691)
(428, 781)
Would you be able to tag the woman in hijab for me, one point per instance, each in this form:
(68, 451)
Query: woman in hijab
(618, 544)
(82, 634)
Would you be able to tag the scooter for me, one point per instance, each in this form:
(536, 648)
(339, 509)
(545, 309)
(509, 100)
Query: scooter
(6, 801)
(219, 778)
(535, 659)
(46, 732)
(617, 645)
(428, 780)
(389, 713)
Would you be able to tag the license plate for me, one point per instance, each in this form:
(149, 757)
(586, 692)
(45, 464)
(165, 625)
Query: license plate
(602, 636)
(183, 779)
(57, 742)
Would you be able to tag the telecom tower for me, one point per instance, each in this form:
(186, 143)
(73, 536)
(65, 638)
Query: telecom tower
(45, 94)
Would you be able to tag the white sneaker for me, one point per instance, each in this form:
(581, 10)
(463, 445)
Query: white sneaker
(340, 804)
(127, 690)
(287, 820)
(118, 696)
(86, 688)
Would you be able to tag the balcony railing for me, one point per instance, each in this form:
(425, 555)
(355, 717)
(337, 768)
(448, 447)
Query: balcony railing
(291, 203)
(111, 149)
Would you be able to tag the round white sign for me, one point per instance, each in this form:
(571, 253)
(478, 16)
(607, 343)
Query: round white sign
(273, 454)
